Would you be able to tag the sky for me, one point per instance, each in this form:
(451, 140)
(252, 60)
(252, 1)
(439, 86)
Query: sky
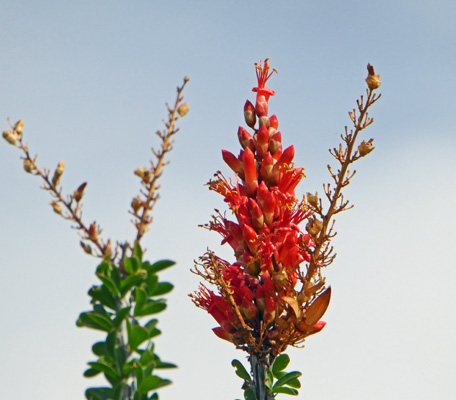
(91, 79)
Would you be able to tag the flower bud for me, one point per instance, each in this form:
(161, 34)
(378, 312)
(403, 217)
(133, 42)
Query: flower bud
(372, 80)
(92, 233)
(256, 214)
(275, 142)
(183, 110)
(87, 248)
(280, 279)
(249, 114)
(186, 79)
(262, 138)
(251, 177)
(10, 137)
(266, 167)
(56, 207)
(269, 206)
(245, 139)
(136, 205)
(365, 148)
(264, 121)
(107, 249)
(79, 192)
(19, 127)
(232, 161)
(313, 199)
(58, 173)
(248, 309)
(28, 166)
(273, 122)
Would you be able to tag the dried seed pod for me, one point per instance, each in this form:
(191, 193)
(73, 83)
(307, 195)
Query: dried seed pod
(312, 199)
(28, 166)
(10, 137)
(372, 80)
(183, 109)
(314, 227)
(19, 127)
(136, 205)
(365, 148)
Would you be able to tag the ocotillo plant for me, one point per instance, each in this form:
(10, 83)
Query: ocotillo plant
(129, 288)
(274, 294)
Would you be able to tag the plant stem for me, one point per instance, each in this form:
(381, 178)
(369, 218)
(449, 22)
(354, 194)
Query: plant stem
(259, 366)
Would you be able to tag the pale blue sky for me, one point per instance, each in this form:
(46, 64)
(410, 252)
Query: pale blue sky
(90, 79)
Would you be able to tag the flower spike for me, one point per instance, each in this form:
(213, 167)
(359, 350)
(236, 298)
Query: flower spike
(273, 295)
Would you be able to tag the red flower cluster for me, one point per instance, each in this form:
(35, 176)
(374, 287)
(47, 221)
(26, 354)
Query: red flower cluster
(259, 297)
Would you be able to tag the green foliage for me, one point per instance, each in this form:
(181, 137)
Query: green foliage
(241, 371)
(286, 382)
(277, 381)
(127, 354)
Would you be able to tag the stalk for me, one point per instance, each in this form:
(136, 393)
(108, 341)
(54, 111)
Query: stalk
(259, 367)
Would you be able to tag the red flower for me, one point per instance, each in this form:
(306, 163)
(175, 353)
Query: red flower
(267, 242)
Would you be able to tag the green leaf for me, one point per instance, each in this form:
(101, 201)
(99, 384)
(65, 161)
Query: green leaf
(94, 321)
(160, 266)
(137, 252)
(139, 374)
(151, 307)
(151, 283)
(118, 391)
(103, 295)
(99, 349)
(161, 289)
(153, 331)
(153, 397)
(128, 369)
(152, 383)
(100, 310)
(120, 357)
(121, 314)
(129, 282)
(151, 324)
(148, 370)
(100, 393)
(140, 297)
(110, 284)
(269, 379)
(109, 270)
(287, 378)
(89, 373)
(147, 357)
(164, 365)
(280, 363)
(278, 375)
(104, 322)
(286, 390)
(111, 340)
(294, 383)
(241, 371)
(131, 265)
(105, 368)
(249, 394)
(136, 336)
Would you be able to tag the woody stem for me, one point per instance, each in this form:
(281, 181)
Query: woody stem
(259, 366)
